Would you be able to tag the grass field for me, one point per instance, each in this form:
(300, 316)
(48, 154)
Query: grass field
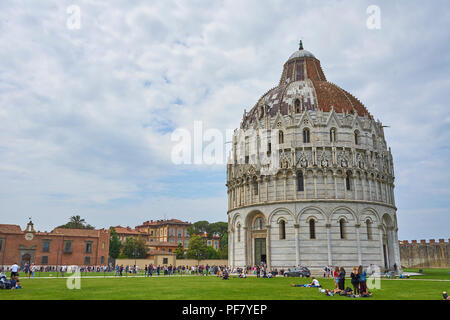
(426, 287)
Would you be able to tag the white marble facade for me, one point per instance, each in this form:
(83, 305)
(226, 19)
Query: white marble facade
(341, 177)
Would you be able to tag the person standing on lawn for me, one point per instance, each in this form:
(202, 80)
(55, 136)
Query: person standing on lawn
(336, 277)
(362, 280)
(355, 280)
(342, 278)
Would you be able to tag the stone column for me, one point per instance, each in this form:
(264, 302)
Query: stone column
(330, 258)
(375, 181)
(231, 247)
(275, 187)
(295, 185)
(363, 178)
(315, 185)
(268, 247)
(305, 183)
(245, 193)
(285, 182)
(370, 188)
(396, 248)
(325, 174)
(267, 188)
(259, 181)
(297, 249)
(358, 242)
(345, 184)
(246, 240)
(335, 186)
(380, 227)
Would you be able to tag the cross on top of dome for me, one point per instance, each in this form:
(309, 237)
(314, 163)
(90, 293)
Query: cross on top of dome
(301, 52)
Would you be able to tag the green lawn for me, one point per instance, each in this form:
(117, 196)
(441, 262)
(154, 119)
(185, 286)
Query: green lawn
(213, 288)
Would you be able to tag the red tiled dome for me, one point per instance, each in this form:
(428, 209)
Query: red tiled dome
(303, 79)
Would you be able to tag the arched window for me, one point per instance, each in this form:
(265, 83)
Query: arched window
(356, 137)
(282, 230)
(342, 228)
(300, 182)
(239, 232)
(259, 224)
(306, 135)
(347, 181)
(369, 229)
(312, 229)
(332, 135)
(255, 186)
(280, 137)
(297, 106)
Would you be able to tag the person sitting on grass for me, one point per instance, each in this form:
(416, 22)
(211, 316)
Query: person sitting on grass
(314, 284)
(225, 275)
(445, 295)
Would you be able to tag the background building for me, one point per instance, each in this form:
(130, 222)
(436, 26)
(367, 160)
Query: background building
(59, 247)
(166, 233)
(311, 181)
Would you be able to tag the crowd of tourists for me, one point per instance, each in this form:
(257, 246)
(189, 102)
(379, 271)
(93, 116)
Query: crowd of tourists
(358, 280)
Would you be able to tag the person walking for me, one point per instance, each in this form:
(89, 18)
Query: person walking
(355, 280)
(342, 278)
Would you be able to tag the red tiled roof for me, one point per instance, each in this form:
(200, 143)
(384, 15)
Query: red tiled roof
(307, 73)
(127, 230)
(10, 228)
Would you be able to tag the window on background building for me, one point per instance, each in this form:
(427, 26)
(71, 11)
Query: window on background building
(165, 260)
(300, 182)
(312, 229)
(369, 229)
(297, 106)
(44, 260)
(102, 260)
(342, 228)
(88, 247)
(46, 246)
(180, 233)
(103, 245)
(1, 244)
(306, 135)
(269, 148)
(282, 230)
(87, 260)
(332, 135)
(255, 186)
(172, 240)
(67, 246)
(186, 244)
(170, 250)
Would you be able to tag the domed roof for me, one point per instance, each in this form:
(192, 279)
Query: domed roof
(303, 80)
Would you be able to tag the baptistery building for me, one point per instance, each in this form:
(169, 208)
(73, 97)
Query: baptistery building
(310, 179)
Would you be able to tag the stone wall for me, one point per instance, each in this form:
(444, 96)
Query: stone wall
(425, 254)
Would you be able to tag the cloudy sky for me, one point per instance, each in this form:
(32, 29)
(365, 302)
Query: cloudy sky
(87, 110)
